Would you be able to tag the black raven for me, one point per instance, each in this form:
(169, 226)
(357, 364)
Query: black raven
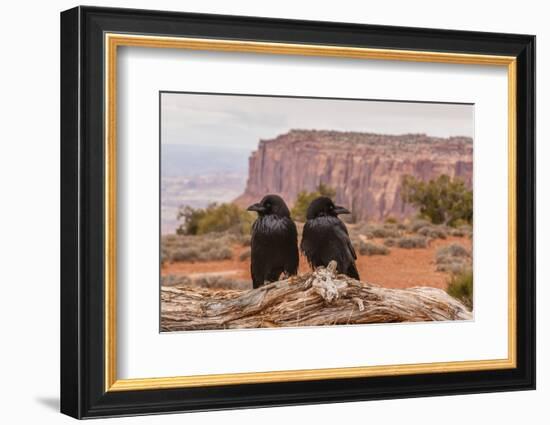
(325, 237)
(274, 243)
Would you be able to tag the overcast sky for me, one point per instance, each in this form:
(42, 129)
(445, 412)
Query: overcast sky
(240, 121)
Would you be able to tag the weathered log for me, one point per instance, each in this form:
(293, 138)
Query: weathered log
(314, 299)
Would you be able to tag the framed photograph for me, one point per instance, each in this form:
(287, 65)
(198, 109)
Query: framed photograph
(261, 212)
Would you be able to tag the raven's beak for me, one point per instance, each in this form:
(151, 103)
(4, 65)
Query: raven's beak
(256, 207)
(341, 210)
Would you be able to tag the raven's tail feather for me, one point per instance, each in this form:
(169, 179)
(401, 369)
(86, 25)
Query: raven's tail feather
(352, 272)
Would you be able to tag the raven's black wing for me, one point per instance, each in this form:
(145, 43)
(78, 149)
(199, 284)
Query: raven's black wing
(306, 244)
(343, 235)
(292, 257)
(257, 263)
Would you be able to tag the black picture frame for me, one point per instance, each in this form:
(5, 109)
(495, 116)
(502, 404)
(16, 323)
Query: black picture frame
(83, 392)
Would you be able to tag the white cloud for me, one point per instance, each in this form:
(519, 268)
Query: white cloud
(242, 120)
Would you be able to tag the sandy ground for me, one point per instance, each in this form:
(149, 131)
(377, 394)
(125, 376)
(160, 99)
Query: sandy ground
(402, 268)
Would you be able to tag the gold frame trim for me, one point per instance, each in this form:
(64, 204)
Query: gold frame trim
(113, 41)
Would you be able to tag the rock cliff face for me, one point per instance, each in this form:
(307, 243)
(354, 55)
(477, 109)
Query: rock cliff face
(365, 169)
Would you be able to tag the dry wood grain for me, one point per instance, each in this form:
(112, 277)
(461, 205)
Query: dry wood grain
(313, 299)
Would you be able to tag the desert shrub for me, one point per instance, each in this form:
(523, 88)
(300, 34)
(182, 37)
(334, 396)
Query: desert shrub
(372, 231)
(176, 280)
(221, 282)
(457, 232)
(190, 254)
(452, 258)
(390, 242)
(386, 232)
(191, 218)
(468, 231)
(453, 250)
(191, 248)
(453, 266)
(434, 232)
(462, 223)
(369, 248)
(441, 200)
(164, 256)
(245, 255)
(461, 287)
(211, 253)
(304, 198)
(217, 253)
(225, 217)
(207, 281)
(171, 239)
(214, 218)
(245, 240)
(461, 231)
(411, 242)
(418, 224)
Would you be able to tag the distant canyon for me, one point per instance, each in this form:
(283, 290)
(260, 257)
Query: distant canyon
(365, 169)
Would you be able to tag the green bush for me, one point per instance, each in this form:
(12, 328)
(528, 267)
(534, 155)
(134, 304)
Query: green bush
(462, 224)
(461, 287)
(304, 198)
(411, 242)
(369, 248)
(214, 218)
(191, 218)
(442, 200)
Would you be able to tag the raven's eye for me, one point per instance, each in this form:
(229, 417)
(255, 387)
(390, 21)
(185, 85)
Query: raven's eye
(268, 204)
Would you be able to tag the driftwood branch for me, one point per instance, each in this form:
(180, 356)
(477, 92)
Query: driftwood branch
(318, 298)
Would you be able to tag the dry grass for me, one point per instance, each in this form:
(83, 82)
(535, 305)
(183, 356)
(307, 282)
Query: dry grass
(461, 231)
(371, 248)
(433, 232)
(205, 281)
(391, 242)
(191, 248)
(245, 255)
(412, 242)
(453, 258)
(461, 286)
(379, 231)
(417, 224)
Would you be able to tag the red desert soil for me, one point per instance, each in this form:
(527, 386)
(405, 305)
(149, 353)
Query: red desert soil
(402, 268)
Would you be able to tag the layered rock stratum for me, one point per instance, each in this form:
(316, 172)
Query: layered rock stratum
(365, 169)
